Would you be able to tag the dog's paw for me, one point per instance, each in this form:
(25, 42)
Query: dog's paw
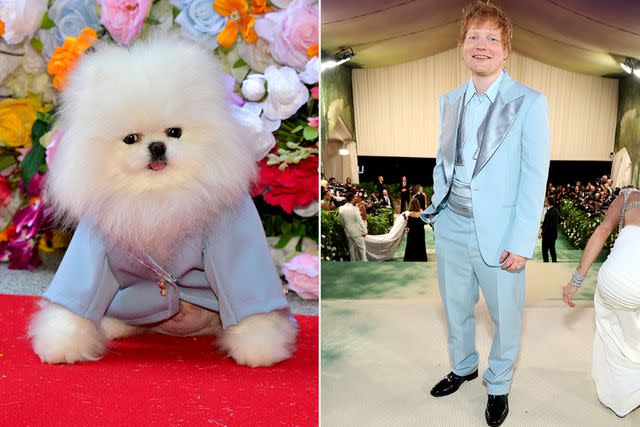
(59, 336)
(113, 328)
(260, 340)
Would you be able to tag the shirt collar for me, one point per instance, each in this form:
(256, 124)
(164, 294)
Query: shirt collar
(491, 93)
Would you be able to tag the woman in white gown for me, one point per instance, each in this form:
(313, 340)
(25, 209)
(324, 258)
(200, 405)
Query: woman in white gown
(616, 346)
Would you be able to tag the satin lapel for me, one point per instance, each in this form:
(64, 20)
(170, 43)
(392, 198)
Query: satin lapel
(450, 118)
(492, 131)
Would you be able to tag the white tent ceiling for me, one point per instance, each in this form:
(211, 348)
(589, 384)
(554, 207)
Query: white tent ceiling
(585, 36)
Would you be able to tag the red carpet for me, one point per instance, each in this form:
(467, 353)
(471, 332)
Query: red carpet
(153, 380)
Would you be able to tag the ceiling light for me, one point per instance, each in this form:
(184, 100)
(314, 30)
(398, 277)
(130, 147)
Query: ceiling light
(343, 55)
(343, 152)
(627, 65)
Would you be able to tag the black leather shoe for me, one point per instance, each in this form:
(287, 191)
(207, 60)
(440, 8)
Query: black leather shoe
(451, 383)
(497, 409)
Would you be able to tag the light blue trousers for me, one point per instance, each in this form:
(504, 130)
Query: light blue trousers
(461, 272)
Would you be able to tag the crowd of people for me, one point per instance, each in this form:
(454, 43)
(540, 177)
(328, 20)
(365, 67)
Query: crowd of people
(594, 197)
(333, 195)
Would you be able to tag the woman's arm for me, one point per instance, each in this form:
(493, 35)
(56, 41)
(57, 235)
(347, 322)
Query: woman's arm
(594, 246)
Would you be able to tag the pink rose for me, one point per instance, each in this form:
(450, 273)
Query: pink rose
(313, 121)
(302, 274)
(124, 18)
(315, 92)
(290, 33)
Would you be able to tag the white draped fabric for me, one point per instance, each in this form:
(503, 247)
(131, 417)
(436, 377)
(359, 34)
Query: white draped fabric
(383, 246)
(616, 347)
(335, 165)
(621, 168)
(396, 107)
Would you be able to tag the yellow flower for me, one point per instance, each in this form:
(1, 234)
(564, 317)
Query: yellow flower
(16, 119)
(64, 58)
(239, 19)
(52, 242)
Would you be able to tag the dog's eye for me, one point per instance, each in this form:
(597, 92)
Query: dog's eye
(173, 132)
(132, 138)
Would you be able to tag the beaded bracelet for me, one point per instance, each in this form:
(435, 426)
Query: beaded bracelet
(577, 279)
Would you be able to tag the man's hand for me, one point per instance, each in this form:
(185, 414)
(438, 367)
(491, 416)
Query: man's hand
(512, 262)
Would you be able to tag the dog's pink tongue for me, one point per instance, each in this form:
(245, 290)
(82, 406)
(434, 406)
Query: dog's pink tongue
(156, 166)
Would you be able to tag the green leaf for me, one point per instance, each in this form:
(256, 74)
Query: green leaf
(283, 241)
(240, 63)
(32, 162)
(310, 133)
(151, 21)
(36, 44)
(299, 244)
(6, 161)
(297, 129)
(176, 12)
(47, 22)
(36, 156)
(45, 117)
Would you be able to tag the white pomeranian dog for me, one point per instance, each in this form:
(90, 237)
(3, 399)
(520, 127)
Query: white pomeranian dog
(155, 173)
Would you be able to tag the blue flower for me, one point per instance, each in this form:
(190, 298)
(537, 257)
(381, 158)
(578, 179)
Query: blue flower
(199, 21)
(70, 17)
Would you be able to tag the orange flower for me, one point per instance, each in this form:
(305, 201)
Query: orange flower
(239, 19)
(260, 7)
(1, 28)
(64, 58)
(8, 233)
(312, 51)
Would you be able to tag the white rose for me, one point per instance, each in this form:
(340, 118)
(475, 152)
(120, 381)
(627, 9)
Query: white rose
(253, 87)
(29, 77)
(257, 55)
(311, 72)
(286, 93)
(228, 57)
(310, 210)
(21, 18)
(259, 129)
(8, 63)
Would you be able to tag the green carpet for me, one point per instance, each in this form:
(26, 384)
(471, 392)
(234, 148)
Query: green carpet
(397, 279)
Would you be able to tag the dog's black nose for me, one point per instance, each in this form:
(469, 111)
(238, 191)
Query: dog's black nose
(157, 149)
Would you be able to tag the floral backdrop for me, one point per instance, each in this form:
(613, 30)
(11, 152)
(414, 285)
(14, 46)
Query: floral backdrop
(269, 50)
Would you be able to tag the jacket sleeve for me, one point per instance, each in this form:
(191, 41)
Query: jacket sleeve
(239, 267)
(439, 181)
(84, 283)
(534, 169)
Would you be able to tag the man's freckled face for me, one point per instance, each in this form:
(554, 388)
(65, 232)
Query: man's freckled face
(483, 50)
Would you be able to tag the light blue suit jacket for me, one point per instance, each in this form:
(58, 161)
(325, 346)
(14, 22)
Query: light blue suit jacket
(229, 270)
(509, 179)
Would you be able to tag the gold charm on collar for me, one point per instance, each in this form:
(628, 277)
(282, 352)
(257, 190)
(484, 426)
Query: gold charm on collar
(163, 288)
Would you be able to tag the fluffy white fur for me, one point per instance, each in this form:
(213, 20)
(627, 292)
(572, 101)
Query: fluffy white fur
(114, 328)
(59, 336)
(260, 340)
(145, 89)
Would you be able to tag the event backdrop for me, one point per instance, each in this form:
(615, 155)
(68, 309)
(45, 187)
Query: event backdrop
(337, 100)
(628, 124)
